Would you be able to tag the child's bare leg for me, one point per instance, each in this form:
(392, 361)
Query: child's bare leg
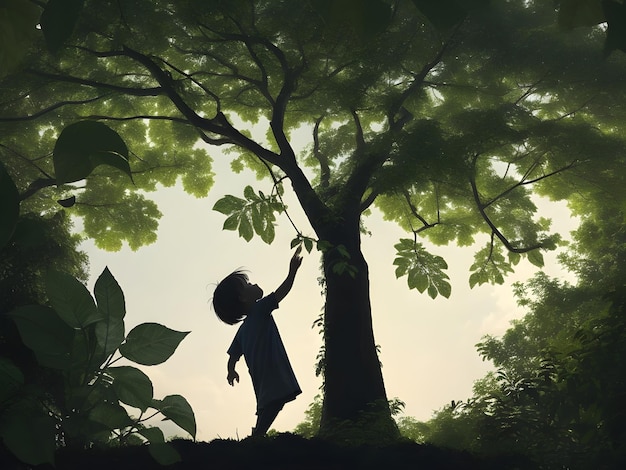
(266, 417)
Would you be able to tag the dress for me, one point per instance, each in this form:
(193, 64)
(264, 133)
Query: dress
(258, 340)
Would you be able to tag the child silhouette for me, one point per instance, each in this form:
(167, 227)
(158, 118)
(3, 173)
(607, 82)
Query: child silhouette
(257, 339)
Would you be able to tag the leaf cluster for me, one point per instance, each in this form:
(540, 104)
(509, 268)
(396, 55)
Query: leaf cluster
(252, 214)
(77, 339)
(424, 271)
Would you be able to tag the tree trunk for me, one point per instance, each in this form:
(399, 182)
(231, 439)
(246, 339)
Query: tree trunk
(355, 404)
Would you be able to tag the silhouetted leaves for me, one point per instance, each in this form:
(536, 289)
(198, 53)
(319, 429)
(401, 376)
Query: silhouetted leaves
(43, 331)
(132, 386)
(58, 20)
(78, 338)
(424, 271)
(177, 409)
(71, 300)
(151, 343)
(82, 146)
(254, 214)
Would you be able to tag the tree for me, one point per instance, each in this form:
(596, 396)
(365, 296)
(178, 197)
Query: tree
(556, 396)
(448, 120)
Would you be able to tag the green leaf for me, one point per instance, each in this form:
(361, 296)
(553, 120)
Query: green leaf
(58, 20)
(83, 146)
(514, 258)
(249, 194)
(229, 204)
(151, 343)
(112, 415)
(9, 206)
(268, 235)
(153, 434)
(71, 300)
(132, 386)
(536, 258)
(295, 242)
(109, 335)
(425, 272)
(45, 333)
(258, 221)
(474, 279)
(177, 409)
(109, 296)
(432, 291)
(11, 379)
(445, 289)
(164, 453)
(29, 432)
(231, 222)
(245, 229)
(308, 245)
(68, 202)
(110, 302)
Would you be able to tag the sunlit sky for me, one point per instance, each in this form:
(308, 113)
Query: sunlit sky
(427, 346)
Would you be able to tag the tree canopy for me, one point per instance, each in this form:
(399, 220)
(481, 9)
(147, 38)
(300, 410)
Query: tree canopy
(449, 123)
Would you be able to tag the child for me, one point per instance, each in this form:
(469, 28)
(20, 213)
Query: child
(274, 382)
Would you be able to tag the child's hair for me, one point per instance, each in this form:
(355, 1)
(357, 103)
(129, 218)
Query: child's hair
(226, 303)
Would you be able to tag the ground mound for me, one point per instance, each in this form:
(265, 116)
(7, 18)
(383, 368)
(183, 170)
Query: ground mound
(283, 451)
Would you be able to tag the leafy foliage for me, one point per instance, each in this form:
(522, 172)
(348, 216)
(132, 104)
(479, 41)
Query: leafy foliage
(423, 270)
(556, 397)
(254, 214)
(79, 338)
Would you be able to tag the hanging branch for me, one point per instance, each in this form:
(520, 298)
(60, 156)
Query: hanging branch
(425, 224)
(494, 230)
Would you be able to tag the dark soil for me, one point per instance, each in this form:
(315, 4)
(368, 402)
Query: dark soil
(280, 452)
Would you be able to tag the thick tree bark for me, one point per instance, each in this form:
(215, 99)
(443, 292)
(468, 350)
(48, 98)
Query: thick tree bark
(354, 391)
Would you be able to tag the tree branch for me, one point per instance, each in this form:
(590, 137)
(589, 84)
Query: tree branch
(133, 91)
(49, 109)
(492, 226)
(425, 224)
(37, 185)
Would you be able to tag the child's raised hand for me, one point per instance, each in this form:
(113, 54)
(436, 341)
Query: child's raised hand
(232, 377)
(296, 260)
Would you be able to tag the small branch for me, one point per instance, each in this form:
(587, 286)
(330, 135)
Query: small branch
(494, 230)
(36, 186)
(425, 224)
(196, 82)
(276, 183)
(155, 91)
(524, 182)
(49, 109)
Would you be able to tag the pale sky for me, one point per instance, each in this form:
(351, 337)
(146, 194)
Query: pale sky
(427, 346)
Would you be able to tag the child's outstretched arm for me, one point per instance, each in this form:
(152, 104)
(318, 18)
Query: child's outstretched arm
(285, 287)
(232, 373)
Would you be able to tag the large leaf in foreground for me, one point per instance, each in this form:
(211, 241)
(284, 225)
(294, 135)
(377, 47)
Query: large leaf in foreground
(28, 432)
(151, 343)
(45, 333)
(83, 146)
(132, 386)
(177, 409)
(71, 300)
